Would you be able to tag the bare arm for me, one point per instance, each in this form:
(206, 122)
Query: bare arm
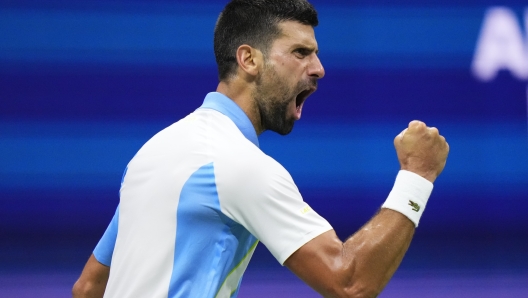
(92, 282)
(364, 263)
(359, 267)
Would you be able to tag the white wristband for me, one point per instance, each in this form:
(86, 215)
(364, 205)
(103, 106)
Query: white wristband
(409, 195)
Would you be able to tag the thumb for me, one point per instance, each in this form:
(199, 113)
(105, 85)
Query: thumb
(400, 136)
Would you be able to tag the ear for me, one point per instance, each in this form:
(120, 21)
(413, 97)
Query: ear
(249, 59)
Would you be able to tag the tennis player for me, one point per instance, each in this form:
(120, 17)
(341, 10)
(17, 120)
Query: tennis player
(198, 196)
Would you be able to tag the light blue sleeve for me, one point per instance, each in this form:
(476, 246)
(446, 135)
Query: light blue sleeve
(105, 248)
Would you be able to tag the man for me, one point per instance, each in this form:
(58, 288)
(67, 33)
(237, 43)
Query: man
(199, 196)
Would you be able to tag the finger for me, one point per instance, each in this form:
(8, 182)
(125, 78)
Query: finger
(416, 124)
(398, 139)
(402, 133)
(433, 130)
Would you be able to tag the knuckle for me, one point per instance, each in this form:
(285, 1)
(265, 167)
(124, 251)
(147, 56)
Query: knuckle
(434, 130)
(415, 123)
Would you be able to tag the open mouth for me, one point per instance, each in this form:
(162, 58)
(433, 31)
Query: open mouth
(301, 98)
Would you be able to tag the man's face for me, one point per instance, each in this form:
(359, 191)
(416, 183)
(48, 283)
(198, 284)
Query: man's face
(289, 76)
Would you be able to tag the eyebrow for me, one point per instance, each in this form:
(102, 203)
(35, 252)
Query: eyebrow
(303, 46)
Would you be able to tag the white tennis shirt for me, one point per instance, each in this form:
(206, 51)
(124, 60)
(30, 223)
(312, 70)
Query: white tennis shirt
(194, 202)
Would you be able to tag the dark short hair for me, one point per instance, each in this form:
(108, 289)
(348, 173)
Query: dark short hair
(255, 23)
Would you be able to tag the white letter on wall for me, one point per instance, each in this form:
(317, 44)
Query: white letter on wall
(500, 46)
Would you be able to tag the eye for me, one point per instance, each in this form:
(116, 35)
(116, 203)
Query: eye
(302, 52)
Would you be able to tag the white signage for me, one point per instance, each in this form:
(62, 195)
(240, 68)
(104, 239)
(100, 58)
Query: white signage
(501, 46)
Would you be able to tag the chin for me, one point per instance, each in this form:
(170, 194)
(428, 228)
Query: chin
(285, 129)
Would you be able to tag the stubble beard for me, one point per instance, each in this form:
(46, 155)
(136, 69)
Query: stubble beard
(273, 97)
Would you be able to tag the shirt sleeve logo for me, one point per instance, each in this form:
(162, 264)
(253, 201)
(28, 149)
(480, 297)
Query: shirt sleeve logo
(305, 210)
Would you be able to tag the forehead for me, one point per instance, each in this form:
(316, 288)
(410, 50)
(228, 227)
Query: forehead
(295, 34)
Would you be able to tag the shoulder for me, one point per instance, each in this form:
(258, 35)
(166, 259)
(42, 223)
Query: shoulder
(254, 182)
(248, 165)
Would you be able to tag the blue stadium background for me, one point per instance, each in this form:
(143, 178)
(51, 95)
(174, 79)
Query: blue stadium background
(83, 84)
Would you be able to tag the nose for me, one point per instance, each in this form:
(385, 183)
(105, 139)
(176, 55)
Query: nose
(316, 68)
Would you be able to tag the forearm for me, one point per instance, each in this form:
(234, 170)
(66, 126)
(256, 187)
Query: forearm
(93, 280)
(371, 256)
(88, 290)
(362, 265)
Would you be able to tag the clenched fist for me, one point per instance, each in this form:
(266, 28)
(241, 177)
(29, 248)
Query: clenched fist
(421, 150)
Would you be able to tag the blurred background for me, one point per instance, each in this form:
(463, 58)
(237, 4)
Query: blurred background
(83, 84)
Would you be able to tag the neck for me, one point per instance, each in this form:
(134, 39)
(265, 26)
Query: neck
(242, 96)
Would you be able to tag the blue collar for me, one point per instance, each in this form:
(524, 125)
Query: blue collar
(223, 104)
